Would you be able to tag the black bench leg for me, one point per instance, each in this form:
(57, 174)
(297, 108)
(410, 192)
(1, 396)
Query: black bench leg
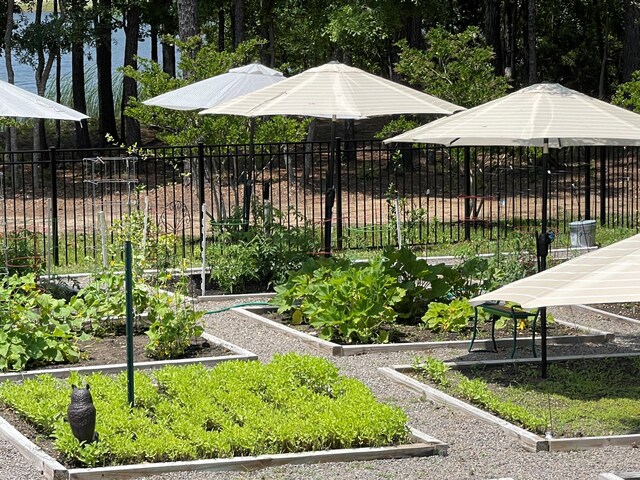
(494, 319)
(515, 337)
(475, 330)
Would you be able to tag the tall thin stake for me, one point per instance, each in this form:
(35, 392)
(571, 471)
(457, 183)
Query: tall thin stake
(128, 285)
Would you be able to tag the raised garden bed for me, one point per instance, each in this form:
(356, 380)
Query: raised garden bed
(260, 314)
(409, 377)
(248, 416)
(111, 357)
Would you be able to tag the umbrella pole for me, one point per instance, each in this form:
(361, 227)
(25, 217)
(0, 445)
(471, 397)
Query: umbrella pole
(543, 257)
(330, 194)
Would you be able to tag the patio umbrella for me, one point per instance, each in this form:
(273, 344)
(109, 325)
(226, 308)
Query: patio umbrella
(334, 91)
(607, 275)
(220, 88)
(17, 102)
(547, 115)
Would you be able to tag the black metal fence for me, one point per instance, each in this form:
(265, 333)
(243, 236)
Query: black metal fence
(384, 194)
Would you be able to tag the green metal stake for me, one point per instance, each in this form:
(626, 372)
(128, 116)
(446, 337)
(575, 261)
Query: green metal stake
(128, 285)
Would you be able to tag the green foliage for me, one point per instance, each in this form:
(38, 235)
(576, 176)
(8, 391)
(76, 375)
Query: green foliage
(628, 94)
(455, 67)
(396, 127)
(158, 248)
(422, 282)
(264, 254)
(432, 368)
(35, 328)
(452, 317)
(23, 254)
(294, 404)
(188, 127)
(174, 323)
(235, 266)
(344, 302)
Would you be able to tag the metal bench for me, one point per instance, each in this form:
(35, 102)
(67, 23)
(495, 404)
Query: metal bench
(496, 311)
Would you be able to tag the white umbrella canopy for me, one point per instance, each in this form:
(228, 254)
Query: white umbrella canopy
(218, 89)
(528, 117)
(336, 91)
(17, 102)
(608, 275)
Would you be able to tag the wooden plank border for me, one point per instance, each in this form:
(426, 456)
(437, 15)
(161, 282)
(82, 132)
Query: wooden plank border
(335, 349)
(230, 297)
(619, 476)
(604, 313)
(50, 468)
(239, 353)
(529, 440)
(422, 445)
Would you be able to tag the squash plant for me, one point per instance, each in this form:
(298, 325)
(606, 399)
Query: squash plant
(344, 302)
(35, 328)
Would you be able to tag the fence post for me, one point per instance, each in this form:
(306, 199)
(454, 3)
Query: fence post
(338, 164)
(201, 193)
(603, 186)
(467, 194)
(54, 207)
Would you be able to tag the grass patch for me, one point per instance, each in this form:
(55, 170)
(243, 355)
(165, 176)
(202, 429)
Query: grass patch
(579, 398)
(294, 404)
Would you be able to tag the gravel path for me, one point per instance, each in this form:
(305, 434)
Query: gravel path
(476, 450)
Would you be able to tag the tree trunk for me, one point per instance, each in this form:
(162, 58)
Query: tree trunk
(631, 41)
(187, 25)
(153, 38)
(221, 30)
(238, 21)
(79, 93)
(532, 62)
(106, 108)
(510, 16)
(12, 136)
(42, 72)
(266, 32)
(492, 33)
(169, 59)
(130, 125)
(187, 19)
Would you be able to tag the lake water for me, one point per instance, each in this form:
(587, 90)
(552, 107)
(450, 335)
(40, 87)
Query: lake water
(25, 77)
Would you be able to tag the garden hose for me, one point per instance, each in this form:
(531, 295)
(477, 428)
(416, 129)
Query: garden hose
(247, 304)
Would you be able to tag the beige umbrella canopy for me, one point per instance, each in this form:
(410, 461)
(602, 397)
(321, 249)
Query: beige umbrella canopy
(17, 102)
(608, 275)
(220, 88)
(531, 115)
(337, 91)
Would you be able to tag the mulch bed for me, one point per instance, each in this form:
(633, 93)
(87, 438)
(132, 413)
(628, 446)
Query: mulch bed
(112, 349)
(408, 333)
(631, 310)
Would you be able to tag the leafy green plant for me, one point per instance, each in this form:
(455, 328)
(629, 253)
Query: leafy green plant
(232, 268)
(422, 282)
(174, 323)
(346, 302)
(35, 328)
(452, 317)
(433, 368)
(293, 404)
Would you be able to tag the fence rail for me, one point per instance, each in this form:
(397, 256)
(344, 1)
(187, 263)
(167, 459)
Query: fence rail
(382, 194)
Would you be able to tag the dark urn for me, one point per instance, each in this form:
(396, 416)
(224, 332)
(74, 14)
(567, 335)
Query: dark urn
(82, 414)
